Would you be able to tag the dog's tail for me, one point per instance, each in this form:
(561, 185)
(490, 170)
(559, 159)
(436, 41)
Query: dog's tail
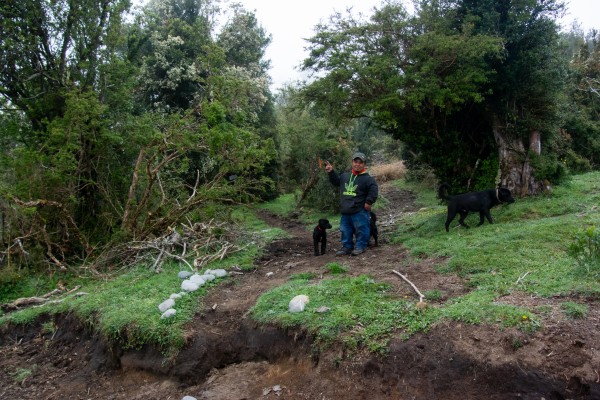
(443, 191)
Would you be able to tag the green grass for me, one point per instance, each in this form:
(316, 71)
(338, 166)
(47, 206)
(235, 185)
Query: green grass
(336, 268)
(526, 251)
(124, 308)
(574, 310)
(285, 205)
(530, 239)
(361, 311)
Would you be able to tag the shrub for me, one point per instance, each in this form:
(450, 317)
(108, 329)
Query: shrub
(586, 249)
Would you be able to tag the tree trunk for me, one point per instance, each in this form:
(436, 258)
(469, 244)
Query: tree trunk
(516, 171)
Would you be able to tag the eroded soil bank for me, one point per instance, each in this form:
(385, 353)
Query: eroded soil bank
(229, 356)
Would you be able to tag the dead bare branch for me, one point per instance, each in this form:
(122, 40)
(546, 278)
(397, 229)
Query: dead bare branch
(421, 303)
(29, 301)
(194, 241)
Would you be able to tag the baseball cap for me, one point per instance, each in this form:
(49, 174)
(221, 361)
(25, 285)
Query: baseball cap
(360, 155)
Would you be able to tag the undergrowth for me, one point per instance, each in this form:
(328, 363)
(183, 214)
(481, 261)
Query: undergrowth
(526, 251)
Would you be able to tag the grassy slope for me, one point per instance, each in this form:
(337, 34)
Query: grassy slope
(525, 250)
(529, 240)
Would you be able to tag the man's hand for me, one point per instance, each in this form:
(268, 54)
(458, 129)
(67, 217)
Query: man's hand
(367, 207)
(328, 166)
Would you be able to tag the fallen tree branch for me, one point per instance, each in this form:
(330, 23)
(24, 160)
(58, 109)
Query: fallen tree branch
(28, 301)
(421, 296)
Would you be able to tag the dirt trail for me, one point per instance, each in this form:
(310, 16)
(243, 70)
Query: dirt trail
(228, 356)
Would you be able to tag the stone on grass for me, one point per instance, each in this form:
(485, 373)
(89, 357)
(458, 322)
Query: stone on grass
(165, 305)
(197, 279)
(168, 313)
(208, 277)
(184, 274)
(188, 398)
(175, 296)
(298, 303)
(189, 286)
(219, 273)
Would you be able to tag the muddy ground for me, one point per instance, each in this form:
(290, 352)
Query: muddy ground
(228, 356)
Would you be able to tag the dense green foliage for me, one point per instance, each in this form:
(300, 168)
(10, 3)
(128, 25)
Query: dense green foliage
(449, 82)
(121, 126)
(121, 130)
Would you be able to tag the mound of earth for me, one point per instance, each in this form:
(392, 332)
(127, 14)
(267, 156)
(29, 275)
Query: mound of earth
(229, 356)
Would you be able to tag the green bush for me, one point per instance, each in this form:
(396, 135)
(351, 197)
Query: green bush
(586, 249)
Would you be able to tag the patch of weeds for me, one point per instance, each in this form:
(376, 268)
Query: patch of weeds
(434, 295)
(585, 248)
(528, 324)
(336, 269)
(516, 343)
(337, 360)
(479, 307)
(304, 276)
(574, 310)
(23, 373)
(48, 328)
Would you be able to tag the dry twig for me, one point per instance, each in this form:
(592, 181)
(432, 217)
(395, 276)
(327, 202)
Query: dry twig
(421, 303)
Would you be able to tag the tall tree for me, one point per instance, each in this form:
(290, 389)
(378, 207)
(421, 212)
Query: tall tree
(51, 47)
(446, 82)
(582, 111)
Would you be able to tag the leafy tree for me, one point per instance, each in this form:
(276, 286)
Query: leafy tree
(448, 82)
(582, 116)
(177, 54)
(245, 41)
(49, 48)
(305, 141)
(100, 166)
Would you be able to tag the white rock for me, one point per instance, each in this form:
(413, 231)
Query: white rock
(208, 277)
(175, 296)
(219, 273)
(197, 279)
(184, 274)
(189, 286)
(168, 313)
(165, 305)
(188, 398)
(298, 303)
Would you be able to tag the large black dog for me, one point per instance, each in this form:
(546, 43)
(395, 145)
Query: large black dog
(480, 202)
(373, 227)
(320, 236)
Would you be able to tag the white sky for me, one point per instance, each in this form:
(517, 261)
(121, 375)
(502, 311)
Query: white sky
(289, 22)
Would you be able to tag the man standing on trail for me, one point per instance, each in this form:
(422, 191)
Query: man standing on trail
(358, 192)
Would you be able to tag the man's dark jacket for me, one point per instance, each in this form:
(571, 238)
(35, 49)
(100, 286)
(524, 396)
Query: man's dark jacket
(355, 190)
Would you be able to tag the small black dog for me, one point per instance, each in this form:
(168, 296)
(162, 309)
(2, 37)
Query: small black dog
(480, 202)
(320, 236)
(374, 231)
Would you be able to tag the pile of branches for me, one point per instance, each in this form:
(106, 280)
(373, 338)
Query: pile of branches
(200, 242)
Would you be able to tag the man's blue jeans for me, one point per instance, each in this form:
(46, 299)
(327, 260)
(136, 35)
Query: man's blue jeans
(355, 224)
